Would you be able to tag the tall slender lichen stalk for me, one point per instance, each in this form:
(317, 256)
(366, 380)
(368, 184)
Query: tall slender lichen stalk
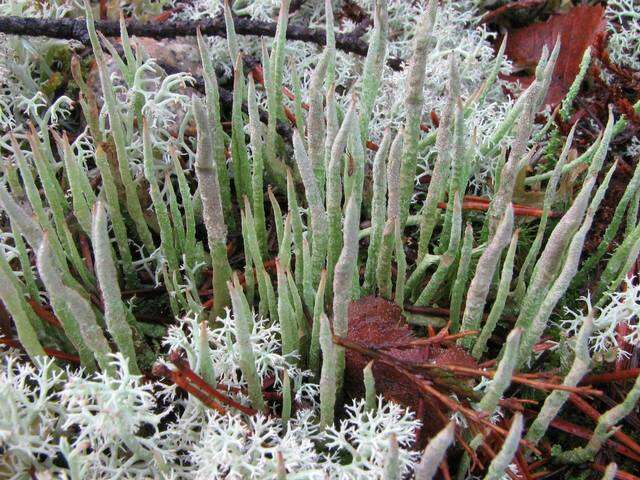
(243, 328)
(115, 314)
(413, 108)
(212, 211)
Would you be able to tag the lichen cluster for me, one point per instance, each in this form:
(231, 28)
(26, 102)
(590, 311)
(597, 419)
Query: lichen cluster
(248, 204)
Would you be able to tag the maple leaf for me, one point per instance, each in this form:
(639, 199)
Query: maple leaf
(577, 29)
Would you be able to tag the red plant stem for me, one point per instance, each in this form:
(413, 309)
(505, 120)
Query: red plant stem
(475, 198)
(620, 474)
(617, 376)
(164, 16)
(44, 314)
(541, 474)
(467, 412)
(539, 463)
(161, 370)
(511, 404)
(182, 382)
(427, 389)
(523, 466)
(103, 9)
(442, 338)
(475, 461)
(482, 206)
(488, 363)
(516, 379)
(543, 346)
(537, 375)
(591, 412)
(208, 304)
(444, 468)
(86, 253)
(431, 333)
(290, 115)
(522, 4)
(434, 338)
(205, 387)
(60, 355)
(199, 383)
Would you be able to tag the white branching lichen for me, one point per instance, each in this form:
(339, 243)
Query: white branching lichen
(352, 152)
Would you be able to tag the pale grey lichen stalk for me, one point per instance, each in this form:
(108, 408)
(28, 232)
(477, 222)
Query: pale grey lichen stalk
(556, 399)
(503, 459)
(605, 427)
(13, 299)
(329, 373)
(243, 326)
(115, 314)
(82, 324)
(343, 279)
(481, 282)
(213, 214)
(413, 108)
(435, 452)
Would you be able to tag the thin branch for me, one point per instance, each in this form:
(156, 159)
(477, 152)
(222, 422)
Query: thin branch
(76, 29)
(57, 354)
(616, 376)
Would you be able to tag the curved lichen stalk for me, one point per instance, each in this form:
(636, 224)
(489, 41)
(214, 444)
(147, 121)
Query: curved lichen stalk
(434, 453)
(15, 303)
(549, 198)
(413, 107)
(75, 312)
(212, 96)
(501, 297)
(343, 279)
(556, 399)
(482, 279)
(328, 375)
(605, 427)
(318, 216)
(378, 209)
(243, 327)
(334, 193)
(372, 72)
(428, 215)
(503, 459)
(115, 314)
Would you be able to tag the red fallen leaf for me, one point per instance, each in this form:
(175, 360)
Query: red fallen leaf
(378, 324)
(577, 29)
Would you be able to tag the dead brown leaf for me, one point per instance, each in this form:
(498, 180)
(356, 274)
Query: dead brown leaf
(577, 30)
(379, 324)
